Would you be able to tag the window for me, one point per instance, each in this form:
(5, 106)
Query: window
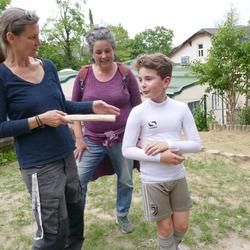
(192, 105)
(184, 60)
(200, 50)
(215, 101)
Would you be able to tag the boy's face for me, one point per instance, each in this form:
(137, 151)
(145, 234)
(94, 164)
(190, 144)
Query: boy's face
(152, 85)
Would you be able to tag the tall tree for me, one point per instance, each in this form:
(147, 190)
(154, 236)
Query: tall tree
(123, 50)
(51, 51)
(3, 4)
(91, 20)
(67, 31)
(228, 64)
(158, 39)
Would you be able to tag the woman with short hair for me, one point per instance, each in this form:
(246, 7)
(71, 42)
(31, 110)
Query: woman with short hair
(116, 85)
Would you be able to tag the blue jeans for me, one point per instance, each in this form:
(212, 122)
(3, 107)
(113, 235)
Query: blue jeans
(123, 168)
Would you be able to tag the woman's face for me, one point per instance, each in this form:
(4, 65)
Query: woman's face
(27, 42)
(103, 54)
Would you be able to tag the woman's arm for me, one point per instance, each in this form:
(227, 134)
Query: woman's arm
(10, 128)
(85, 107)
(81, 146)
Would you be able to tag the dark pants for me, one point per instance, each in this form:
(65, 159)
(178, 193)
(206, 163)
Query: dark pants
(60, 222)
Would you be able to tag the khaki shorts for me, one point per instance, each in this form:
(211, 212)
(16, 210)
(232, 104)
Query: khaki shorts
(160, 200)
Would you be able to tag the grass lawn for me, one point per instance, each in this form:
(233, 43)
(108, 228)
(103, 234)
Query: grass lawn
(221, 209)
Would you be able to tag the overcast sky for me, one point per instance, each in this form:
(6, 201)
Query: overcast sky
(184, 17)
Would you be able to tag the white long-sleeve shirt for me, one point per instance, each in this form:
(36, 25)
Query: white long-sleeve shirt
(151, 121)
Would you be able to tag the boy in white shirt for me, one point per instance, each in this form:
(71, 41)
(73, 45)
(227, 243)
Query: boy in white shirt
(152, 136)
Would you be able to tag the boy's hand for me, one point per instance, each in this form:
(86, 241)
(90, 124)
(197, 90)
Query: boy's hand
(170, 156)
(156, 147)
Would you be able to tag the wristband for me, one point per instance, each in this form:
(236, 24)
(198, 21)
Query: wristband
(40, 121)
(37, 121)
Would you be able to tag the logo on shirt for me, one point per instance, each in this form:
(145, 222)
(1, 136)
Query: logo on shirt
(152, 124)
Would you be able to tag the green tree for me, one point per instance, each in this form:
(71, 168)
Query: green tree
(227, 67)
(158, 39)
(3, 4)
(51, 51)
(66, 32)
(123, 50)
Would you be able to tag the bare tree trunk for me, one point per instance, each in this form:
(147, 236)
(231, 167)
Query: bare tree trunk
(247, 92)
(231, 96)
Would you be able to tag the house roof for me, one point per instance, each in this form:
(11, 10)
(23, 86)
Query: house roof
(208, 31)
(66, 74)
(182, 79)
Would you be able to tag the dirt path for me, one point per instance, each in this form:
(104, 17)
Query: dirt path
(227, 141)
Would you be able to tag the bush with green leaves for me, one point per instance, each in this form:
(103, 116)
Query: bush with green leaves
(202, 120)
(244, 116)
(7, 155)
(199, 118)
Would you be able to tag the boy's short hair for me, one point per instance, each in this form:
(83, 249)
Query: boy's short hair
(158, 62)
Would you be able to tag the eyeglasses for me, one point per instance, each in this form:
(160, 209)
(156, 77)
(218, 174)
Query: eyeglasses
(140, 62)
(28, 15)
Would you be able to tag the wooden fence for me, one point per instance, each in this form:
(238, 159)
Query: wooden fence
(235, 127)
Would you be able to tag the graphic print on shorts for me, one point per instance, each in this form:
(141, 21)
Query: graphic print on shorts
(154, 209)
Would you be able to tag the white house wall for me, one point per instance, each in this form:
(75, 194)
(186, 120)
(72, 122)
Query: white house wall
(191, 49)
(195, 94)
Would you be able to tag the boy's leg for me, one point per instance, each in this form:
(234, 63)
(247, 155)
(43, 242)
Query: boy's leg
(157, 207)
(180, 220)
(165, 234)
(166, 243)
(181, 203)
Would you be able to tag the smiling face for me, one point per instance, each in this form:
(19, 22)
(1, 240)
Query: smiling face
(152, 85)
(103, 54)
(27, 42)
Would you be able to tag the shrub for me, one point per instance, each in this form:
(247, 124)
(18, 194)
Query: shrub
(202, 121)
(244, 116)
(7, 155)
